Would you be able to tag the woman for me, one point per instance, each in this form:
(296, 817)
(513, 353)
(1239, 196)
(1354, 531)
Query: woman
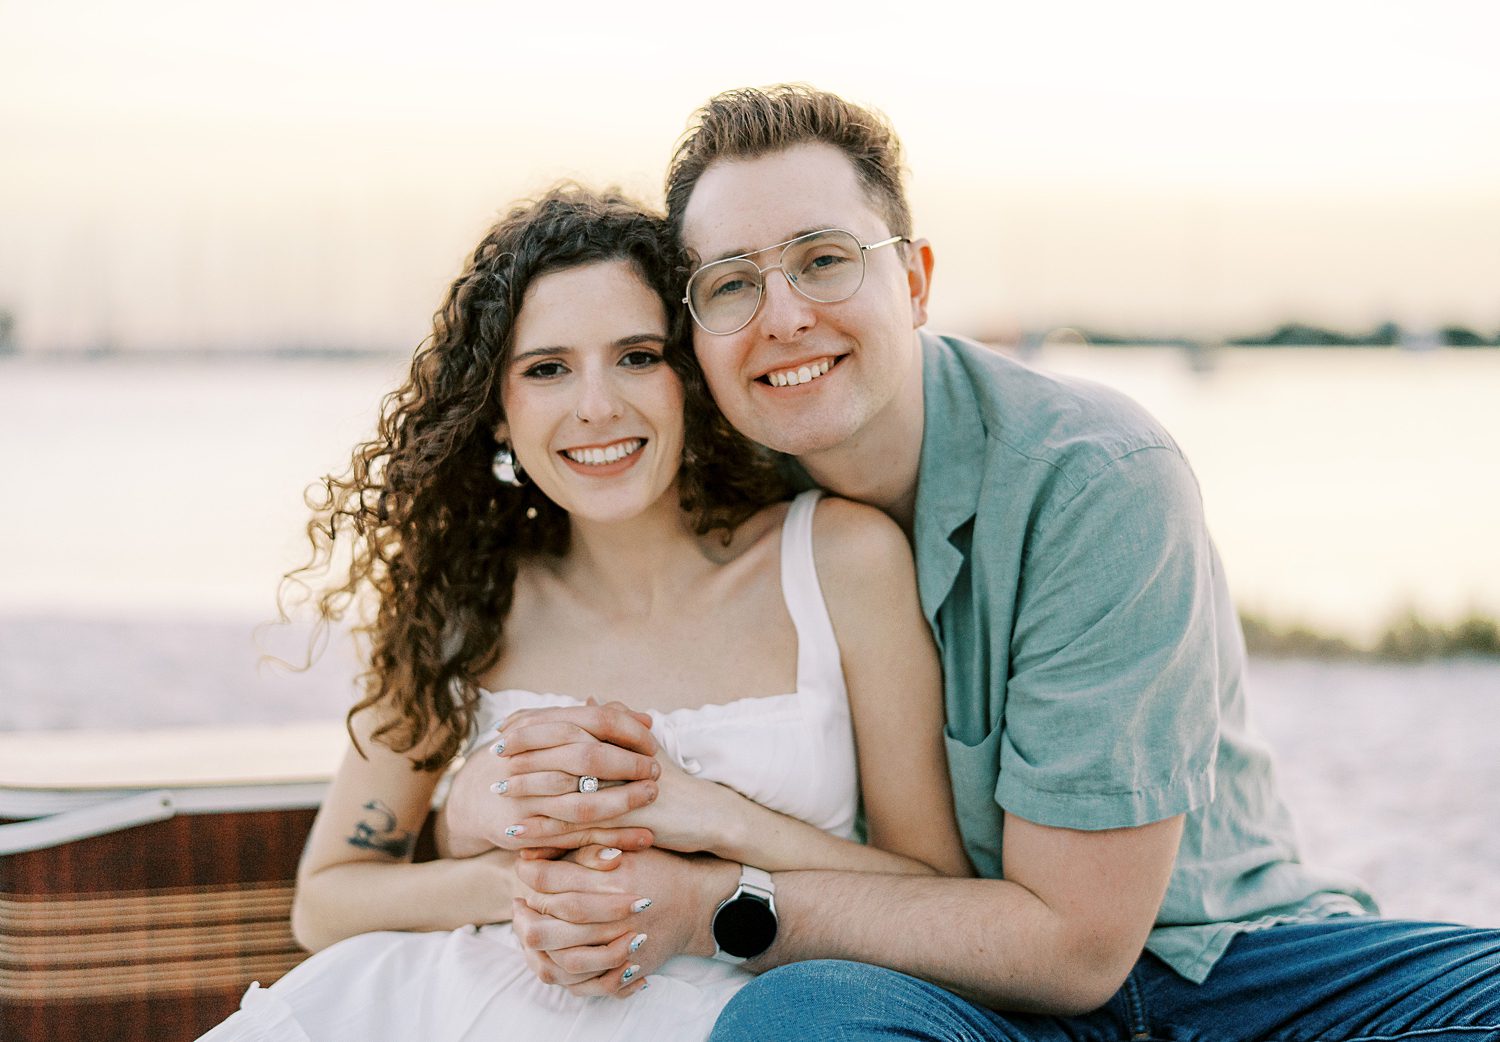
(553, 512)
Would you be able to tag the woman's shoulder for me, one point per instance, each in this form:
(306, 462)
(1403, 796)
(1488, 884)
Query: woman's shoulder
(861, 555)
(866, 573)
(849, 538)
(853, 538)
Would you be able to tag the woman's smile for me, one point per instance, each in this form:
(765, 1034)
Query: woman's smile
(604, 460)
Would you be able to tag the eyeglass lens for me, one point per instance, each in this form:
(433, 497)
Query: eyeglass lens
(826, 267)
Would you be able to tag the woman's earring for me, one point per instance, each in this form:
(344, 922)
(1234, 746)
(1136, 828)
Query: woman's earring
(505, 468)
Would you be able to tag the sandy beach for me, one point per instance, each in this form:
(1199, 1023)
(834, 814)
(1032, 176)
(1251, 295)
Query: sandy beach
(1390, 770)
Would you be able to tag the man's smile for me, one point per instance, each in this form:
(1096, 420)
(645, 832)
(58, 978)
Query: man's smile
(802, 373)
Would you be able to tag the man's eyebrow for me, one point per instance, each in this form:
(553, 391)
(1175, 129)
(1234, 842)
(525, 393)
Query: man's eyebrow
(746, 252)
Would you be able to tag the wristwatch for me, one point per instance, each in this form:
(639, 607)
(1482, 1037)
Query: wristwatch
(744, 925)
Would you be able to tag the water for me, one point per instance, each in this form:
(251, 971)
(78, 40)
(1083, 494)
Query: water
(1342, 486)
(169, 488)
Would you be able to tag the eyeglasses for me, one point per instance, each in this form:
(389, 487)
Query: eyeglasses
(826, 267)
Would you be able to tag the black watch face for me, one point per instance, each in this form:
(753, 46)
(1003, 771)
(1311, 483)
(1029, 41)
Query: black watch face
(745, 927)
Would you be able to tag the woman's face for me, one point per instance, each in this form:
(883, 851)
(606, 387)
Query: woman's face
(593, 411)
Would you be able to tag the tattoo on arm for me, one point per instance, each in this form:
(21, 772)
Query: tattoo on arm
(378, 832)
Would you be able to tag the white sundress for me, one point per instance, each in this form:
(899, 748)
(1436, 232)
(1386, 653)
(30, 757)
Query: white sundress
(793, 753)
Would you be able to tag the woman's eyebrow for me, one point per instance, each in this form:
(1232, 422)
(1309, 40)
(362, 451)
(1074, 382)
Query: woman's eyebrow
(561, 349)
(538, 352)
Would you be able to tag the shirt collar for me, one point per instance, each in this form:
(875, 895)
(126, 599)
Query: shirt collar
(951, 471)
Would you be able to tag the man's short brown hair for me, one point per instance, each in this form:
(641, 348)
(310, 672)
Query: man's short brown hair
(753, 122)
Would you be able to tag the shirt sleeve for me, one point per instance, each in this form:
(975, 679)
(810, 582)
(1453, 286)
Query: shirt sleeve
(1111, 711)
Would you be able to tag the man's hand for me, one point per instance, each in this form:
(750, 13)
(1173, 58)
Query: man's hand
(668, 898)
(520, 789)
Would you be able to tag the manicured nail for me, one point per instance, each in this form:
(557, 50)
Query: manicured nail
(640, 906)
(645, 984)
(636, 942)
(500, 787)
(629, 974)
(609, 853)
(498, 748)
(515, 830)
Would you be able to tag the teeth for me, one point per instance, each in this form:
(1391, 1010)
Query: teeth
(806, 374)
(608, 454)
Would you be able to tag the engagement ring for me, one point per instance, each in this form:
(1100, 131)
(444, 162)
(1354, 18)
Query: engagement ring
(588, 783)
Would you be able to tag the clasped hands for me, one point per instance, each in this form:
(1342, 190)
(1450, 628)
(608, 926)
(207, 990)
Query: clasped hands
(607, 892)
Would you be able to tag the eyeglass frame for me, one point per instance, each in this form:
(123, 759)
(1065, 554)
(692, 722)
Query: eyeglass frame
(760, 292)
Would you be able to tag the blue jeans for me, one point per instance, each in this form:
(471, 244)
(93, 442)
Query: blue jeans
(1348, 979)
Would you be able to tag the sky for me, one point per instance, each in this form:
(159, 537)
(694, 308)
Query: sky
(311, 173)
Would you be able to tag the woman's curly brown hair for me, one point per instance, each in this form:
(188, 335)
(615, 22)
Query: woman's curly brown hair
(434, 537)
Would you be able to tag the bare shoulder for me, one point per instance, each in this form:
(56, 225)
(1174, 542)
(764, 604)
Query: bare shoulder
(867, 576)
(869, 584)
(855, 544)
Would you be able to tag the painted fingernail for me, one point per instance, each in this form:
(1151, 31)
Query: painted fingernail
(636, 942)
(640, 906)
(630, 972)
(515, 830)
(645, 983)
(500, 787)
(609, 853)
(498, 748)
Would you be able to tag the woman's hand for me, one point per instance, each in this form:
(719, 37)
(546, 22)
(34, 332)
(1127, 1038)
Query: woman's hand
(688, 814)
(521, 790)
(684, 813)
(586, 939)
(664, 903)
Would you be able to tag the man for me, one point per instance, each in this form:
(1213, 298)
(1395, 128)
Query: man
(1108, 787)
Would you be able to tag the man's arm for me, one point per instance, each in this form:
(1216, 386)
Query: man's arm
(1057, 936)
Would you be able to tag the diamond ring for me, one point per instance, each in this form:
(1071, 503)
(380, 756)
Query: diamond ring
(588, 783)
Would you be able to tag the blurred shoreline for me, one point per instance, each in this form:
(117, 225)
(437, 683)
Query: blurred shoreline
(1409, 637)
(1198, 352)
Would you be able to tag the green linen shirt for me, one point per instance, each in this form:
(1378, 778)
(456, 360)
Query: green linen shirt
(1093, 664)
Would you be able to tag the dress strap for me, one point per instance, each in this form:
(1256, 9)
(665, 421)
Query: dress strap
(818, 662)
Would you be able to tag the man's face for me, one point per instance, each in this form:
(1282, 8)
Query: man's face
(850, 358)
